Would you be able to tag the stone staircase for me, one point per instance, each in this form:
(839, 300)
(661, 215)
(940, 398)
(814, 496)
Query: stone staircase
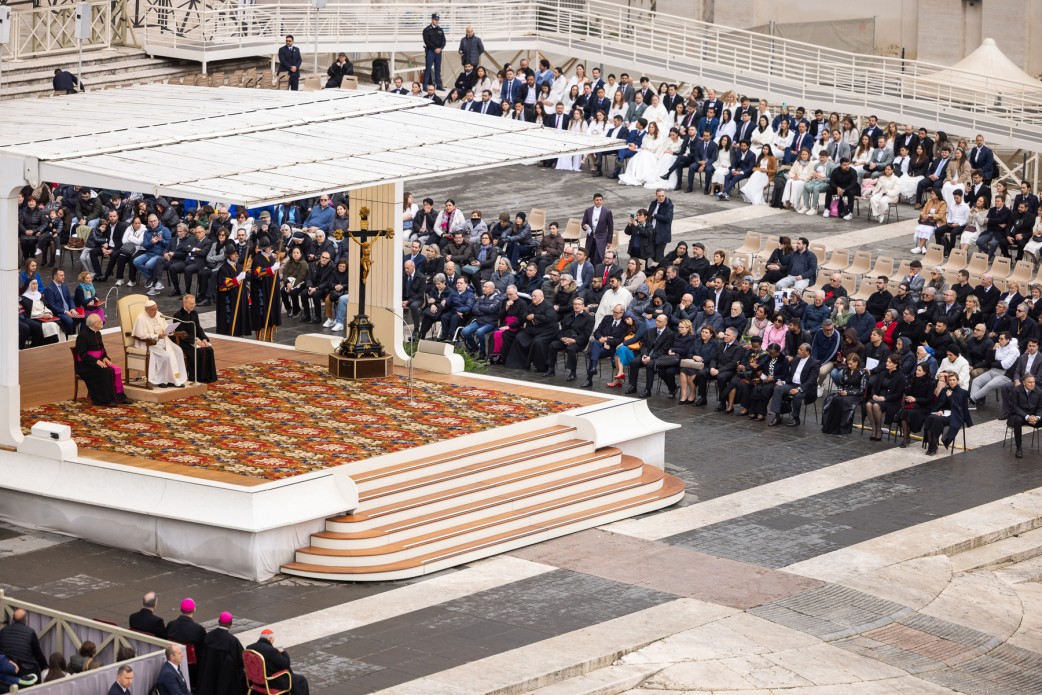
(1015, 558)
(441, 511)
(117, 66)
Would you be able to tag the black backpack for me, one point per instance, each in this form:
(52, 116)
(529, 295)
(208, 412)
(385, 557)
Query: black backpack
(381, 71)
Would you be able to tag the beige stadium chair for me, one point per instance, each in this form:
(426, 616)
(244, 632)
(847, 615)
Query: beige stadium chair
(751, 244)
(839, 261)
(956, 261)
(537, 220)
(770, 242)
(818, 249)
(934, 256)
(978, 264)
(865, 290)
(902, 270)
(862, 263)
(849, 282)
(884, 266)
(1021, 274)
(573, 230)
(1000, 268)
(349, 82)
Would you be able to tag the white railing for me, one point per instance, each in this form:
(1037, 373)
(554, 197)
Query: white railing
(51, 30)
(659, 43)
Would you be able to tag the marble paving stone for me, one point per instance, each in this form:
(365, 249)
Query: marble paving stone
(764, 672)
(699, 675)
(658, 566)
(981, 601)
(914, 583)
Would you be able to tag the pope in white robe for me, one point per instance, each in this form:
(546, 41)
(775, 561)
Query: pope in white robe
(166, 363)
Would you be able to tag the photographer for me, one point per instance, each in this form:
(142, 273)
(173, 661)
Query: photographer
(642, 245)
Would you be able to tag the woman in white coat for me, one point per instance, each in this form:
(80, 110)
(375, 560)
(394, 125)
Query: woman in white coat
(886, 193)
(657, 113)
(573, 162)
(799, 175)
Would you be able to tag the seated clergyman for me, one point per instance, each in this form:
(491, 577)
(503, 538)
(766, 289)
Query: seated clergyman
(166, 366)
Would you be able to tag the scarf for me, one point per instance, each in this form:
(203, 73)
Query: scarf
(88, 289)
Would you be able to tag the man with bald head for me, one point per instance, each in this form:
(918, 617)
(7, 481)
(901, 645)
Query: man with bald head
(145, 620)
(413, 285)
(19, 643)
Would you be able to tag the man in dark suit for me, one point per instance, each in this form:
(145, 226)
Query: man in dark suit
(598, 102)
(413, 284)
(275, 660)
(599, 226)
(741, 170)
(646, 91)
(872, 130)
(802, 387)
(1026, 410)
(721, 369)
(745, 109)
(574, 334)
(124, 679)
(486, 106)
(608, 336)
(655, 345)
(145, 620)
(1028, 198)
(801, 141)
(819, 124)
(58, 299)
(712, 102)
(290, 61)
(660, 218)
(1029, 363)
(511, 87)
(608, 268)
(672, 98)
(171, 681)
(746, 128)
(981, 157)
(977, 189)
(558, 120)
(704, 156)
(908, 139)
(618, 131)
(626, 87)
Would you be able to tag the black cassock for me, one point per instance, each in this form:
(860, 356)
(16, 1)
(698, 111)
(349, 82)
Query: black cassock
(206, 371)
(530, 345)
(100, 381)
(264, 292)
(227, 285)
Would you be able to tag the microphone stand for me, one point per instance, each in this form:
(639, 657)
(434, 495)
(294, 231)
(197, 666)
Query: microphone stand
(416, 347)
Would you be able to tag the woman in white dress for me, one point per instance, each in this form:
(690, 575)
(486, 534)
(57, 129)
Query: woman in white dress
(497, 84)
(573, 162)
(722, 164)
(674, 145)
(1033, 249)
(242, 221)
(933, 214)
(570, 97)
(762, 134)
(957, 176)
(657, 113)
(891, 136)
(643, 166)
(862, 154)
(598, 126)
(763, 173)
(578, 79)
(619, 107)
(799, 175)
(783, 138)
(726, 127)
(822, 143)
(763, 110)
(730, 105)
(886, 192)
(850, 134)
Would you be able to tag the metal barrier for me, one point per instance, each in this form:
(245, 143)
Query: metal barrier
(656, 43)
(51, 30)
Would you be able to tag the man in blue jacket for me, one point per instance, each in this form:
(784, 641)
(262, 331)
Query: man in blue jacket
(740, 170)
(485, 318)
(157, 240)
(58, 299)
(803, 268)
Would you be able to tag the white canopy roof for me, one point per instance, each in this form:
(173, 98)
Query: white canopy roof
(986, 69)
(261, 146)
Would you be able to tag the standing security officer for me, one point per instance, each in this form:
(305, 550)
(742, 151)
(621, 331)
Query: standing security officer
(433, 44)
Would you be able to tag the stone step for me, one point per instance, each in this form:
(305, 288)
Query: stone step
(1014, 549)
(611, 680)
(1027, 571)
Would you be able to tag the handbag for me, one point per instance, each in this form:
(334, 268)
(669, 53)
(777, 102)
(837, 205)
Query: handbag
(128, 249)
(834, 208)
(668, 361)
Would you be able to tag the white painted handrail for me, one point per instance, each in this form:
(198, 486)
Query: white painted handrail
(661, 44)
(45, 31)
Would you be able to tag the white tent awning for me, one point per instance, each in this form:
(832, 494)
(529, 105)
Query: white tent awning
(258, 147)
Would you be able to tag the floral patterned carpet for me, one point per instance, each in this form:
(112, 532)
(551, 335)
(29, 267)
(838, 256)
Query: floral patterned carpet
(281, 418)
